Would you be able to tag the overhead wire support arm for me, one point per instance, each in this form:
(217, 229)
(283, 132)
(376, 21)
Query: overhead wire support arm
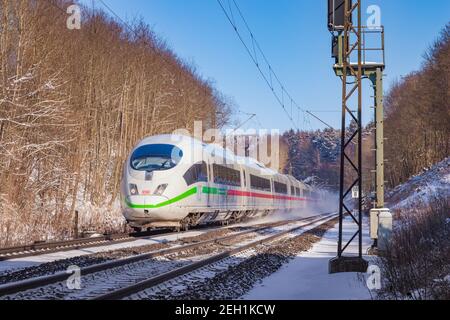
(243, 123)
(320, 120)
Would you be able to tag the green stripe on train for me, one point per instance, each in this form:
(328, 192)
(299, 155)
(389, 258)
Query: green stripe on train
(183, 196)
(191, 192)
(214, 191)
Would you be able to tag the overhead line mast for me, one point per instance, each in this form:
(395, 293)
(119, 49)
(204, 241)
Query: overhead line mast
(350, 38)
(340, 14)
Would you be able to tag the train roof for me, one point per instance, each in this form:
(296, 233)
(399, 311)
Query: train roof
(215, 151)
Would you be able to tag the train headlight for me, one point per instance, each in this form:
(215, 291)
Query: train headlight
(134, 189)
(160, 190)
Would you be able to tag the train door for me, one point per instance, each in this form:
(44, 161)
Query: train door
(207, 195)
(302, 195)
(211, 199)
(244, 188)
(272, 188)
(291, 195)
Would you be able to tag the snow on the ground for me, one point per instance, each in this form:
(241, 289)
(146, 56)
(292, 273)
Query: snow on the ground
(422, 189)
(20, 227)
(307, 278)
(21, 263)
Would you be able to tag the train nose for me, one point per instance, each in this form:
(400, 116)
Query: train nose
(145, 202)
(144, 208)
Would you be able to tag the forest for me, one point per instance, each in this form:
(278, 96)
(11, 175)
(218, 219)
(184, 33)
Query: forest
(418, 115)
(72, 105)
(74, 102)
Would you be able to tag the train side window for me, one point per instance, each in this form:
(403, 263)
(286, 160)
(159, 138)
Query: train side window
(197, 173)
(280, 188)
(227, 176)
(259, 183)
(292, 191)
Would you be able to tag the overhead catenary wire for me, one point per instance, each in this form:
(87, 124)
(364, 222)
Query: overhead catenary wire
(271, 76)
(254, 116)
(255, 61)
(317, 118)
(251, 117)
(255, 46)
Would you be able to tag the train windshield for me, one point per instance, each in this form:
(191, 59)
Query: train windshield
(156, 157)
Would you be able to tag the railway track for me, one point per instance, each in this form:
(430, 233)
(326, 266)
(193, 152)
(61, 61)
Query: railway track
(36, 249)
(76, 244)
(185, 270)
(131, 275)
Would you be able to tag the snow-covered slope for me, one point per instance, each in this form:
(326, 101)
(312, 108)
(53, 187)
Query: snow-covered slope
(306, 277)
(423, 189)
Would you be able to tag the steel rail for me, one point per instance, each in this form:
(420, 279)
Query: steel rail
(157, 280)
(36, 249)
(75, 244)
(33, 283)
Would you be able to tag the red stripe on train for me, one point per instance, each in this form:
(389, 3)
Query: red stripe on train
(237, 193)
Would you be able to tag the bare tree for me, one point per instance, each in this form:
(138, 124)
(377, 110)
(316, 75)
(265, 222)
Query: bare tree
(72, 105)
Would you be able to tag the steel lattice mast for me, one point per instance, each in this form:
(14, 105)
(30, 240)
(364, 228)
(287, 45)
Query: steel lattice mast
(349, 40)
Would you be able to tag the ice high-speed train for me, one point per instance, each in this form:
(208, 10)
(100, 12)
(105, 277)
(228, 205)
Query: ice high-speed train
(172, 181)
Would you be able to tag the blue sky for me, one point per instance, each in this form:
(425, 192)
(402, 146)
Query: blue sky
(295, 39)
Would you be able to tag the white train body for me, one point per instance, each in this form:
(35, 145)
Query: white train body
(177, 181)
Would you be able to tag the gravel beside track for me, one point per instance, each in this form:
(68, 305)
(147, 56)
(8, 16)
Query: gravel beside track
(102, 257)
(104, 281)
(234, 277)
